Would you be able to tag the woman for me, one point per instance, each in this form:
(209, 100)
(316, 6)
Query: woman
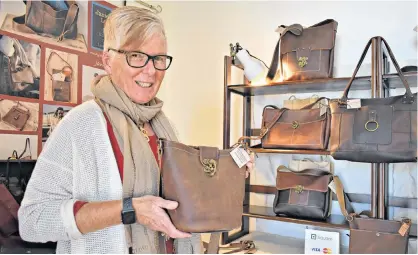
(94, 187)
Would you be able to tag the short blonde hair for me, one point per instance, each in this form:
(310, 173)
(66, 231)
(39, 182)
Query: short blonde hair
(129, 23)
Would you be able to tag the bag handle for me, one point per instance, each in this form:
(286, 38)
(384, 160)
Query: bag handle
(408, 97)
(27, 143)
(69, 20)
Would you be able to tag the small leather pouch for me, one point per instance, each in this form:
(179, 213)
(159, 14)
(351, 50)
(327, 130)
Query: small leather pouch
(17, 117)
(302, 194)
(377, 236)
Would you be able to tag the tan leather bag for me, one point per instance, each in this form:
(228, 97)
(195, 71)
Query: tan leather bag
(17, 116)
(305, 53)
(306, 128)
(207, 184)
(61, 89)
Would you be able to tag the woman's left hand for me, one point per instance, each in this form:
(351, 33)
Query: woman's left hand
(250, 165)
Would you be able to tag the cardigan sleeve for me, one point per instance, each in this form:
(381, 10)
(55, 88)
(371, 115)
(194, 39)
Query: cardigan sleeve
(46, 212)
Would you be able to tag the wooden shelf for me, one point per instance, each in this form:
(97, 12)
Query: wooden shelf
(320, 85)
(267, 213)
(258, 149)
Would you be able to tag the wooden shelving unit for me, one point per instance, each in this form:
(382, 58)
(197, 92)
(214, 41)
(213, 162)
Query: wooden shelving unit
(378, 199)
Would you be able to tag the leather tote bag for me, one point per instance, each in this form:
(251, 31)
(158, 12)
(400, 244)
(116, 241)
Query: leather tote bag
(375, 130)
(207, 184)
(49, 18)
(377, 236)
(307, 128)
(305, 53)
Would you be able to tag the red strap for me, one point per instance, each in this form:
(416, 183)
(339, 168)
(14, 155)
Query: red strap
(115, 147)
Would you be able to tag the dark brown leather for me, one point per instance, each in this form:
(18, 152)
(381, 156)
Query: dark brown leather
(296, 129)
(316, 43)
(45, 20)
(8, 212)
(17, 117)
(302, 194)
(203, 203)
(395, 139)
(377, 236)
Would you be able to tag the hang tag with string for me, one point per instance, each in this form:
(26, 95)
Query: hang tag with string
(240, 155)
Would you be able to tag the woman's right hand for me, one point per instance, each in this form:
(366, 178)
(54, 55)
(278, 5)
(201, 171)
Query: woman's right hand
(150, 213)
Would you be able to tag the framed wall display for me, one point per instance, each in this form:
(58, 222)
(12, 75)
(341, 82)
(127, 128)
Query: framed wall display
(43, 74)
(98, 12)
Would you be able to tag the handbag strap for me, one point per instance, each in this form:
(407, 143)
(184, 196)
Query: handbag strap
(27, 143)
(49, 60)
(408, 97)
(70, 19)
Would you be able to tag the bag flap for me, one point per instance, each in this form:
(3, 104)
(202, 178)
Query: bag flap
(289, 180)
(314, 37)
(301, 116)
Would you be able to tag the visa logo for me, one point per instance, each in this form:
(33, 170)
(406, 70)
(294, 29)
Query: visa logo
(316, 249)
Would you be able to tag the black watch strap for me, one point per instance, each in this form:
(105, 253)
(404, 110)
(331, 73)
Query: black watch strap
(127, 204)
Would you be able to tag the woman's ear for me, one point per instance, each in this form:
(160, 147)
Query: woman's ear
(106, 58)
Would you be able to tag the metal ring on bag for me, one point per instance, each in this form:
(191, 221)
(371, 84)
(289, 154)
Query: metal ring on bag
(371, 121)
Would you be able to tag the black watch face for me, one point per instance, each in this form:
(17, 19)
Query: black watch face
(128, 217)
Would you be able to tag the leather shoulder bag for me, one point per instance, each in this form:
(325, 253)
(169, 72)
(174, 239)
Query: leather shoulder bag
(61, 89)
(306, 128)
(208, 185)
(376, 130)
(47, 18)
(305, 53)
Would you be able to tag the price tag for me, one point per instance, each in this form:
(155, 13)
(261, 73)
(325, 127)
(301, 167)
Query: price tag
(353, 103)
(58, 76)
(240, 156)
(331, 185)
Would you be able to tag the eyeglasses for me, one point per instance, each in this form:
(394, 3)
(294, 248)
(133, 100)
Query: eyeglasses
(138, 59)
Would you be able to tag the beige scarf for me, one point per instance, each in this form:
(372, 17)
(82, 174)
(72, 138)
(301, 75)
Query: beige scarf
(141, 171)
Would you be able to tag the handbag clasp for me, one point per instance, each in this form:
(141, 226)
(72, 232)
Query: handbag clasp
(209, 166)
(299, 189)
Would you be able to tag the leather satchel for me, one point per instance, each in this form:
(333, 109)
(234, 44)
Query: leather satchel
(17, 116)
(307, 128)
(305, 53)
(375, 130)
(48, 19)
(199, 178)
(303, 194)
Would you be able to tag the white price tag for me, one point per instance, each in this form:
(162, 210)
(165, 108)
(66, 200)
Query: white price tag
(353, 103)
(331, 185)
(240, 156)
(58, 76)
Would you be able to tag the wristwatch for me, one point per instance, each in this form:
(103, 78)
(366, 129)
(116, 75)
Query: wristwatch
(128, 212)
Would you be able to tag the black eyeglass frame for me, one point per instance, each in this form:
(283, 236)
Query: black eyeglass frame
(126, 52)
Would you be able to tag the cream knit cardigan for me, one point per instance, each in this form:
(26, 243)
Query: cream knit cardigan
(77, 163)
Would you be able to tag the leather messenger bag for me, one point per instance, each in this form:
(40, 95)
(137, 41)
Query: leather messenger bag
(375, 130)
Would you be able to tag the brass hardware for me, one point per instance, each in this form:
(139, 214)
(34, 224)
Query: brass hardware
(302, 61)
(371, 121)
(209, 166)
(295, 124)
(299, 189)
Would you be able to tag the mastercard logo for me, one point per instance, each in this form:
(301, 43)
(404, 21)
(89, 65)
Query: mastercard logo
(327, 251)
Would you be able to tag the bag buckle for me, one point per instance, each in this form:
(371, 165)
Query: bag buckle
(372, 119)
(209, 166)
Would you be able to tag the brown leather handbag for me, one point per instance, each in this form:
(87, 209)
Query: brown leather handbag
(46, 19)
(305, 53)
(307, 128)
(377, 236)
(17, 116)
(207, 184)
(375, 130)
